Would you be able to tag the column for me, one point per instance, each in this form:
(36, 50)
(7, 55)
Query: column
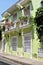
(31, 46)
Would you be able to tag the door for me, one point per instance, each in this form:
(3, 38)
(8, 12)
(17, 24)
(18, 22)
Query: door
(14, 43)
(27, 42)
(4, 45)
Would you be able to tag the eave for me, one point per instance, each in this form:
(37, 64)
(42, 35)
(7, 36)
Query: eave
(14, 8)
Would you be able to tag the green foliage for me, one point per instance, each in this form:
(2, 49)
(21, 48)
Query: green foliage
(35, 55)
(39, 12)
(39, 21)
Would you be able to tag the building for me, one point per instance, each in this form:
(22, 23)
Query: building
(20, 36)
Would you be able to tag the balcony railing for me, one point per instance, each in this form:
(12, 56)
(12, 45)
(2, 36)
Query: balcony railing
(9, 28)
(24, 24)
(24, 21)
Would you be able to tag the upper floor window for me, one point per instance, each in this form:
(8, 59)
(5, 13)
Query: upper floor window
(27, 10)
(15, 17)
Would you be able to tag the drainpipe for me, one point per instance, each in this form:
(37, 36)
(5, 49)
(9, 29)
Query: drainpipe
(21, 8)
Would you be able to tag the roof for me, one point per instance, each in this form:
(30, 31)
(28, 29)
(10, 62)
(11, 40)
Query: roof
(9, 9)
(14, 7)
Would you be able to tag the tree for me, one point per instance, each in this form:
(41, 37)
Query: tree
(39, 21)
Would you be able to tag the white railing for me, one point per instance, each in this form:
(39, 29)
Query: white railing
(10, 28)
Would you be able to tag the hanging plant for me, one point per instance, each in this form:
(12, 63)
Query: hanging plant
(23, 18)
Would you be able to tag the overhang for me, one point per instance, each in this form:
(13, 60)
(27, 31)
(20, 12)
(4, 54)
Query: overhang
(14, 7)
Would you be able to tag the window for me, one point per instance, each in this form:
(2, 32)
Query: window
(27, 11)
(27, 42)
(14, 43)
(15, 17)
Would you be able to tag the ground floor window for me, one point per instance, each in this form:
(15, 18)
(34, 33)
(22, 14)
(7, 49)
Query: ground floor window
(27, 42)
(14, 43)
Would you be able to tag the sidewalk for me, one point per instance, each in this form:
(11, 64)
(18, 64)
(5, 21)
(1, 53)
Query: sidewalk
(22, 60)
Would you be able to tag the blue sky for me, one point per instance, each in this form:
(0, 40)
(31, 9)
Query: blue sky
(5, 4)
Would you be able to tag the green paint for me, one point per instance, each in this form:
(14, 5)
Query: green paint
(26, 30)
(35, 40)
(19, 13)
(10, 18)
(27, 55)
(19, 41)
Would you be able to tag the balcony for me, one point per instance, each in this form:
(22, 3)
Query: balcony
(24, 22)
(10, 27)
(15, 18)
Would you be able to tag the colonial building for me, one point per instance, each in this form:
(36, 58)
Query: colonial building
(19, 35)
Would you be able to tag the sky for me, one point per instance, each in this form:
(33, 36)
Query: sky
(5, 4)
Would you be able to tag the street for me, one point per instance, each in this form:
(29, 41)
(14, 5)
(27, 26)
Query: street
(2, 63)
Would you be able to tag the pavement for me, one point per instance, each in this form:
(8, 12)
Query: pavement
(15, 60)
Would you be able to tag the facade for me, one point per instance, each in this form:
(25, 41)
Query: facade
(20, 36)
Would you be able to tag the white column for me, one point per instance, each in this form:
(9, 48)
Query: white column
(10, 44)
(3, 44)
